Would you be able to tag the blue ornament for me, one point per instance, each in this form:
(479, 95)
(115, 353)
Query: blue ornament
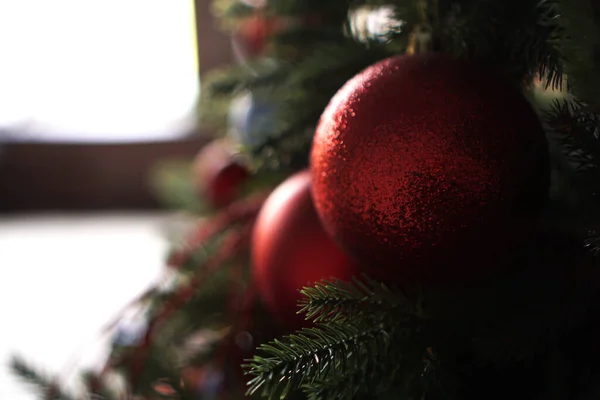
(130, 331)
(251, 119)
(210, 388)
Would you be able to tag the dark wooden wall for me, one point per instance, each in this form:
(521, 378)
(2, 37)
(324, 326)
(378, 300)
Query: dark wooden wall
(214, 46)
(83, 177)
(45, 177)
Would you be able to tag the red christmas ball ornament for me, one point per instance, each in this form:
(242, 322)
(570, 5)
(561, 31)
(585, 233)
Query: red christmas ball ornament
(429, 167)
(218, 175)
(290, 250)
(254, 33)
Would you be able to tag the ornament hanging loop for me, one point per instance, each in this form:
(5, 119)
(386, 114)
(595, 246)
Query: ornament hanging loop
(421, 37)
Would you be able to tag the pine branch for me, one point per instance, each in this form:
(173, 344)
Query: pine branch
(353, 384)
(418, 376)
(547, 58)
(240, 212)
(96, 388)
(259, 74)
(229, 11)
(220, 88)
(172, 183)
(576, 131)
(580, 45)
(515, 36)
(307, 37)
(333, 350)
(438, 381)
(335, 11)
(340, 301)
(45, 385)
(309, 87)
(592, 242)
(348, 386)
(565, 125)
(332, 58)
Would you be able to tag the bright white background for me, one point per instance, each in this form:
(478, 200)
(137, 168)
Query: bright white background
(63, 276)
(97, 70)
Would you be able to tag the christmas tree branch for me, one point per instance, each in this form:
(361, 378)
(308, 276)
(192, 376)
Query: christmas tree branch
(592, 242)
(580, 21)
(336, 11)
(547, 60)
(231, 10)
(333, 349)
(220, 87)
(240, 212)
(566, 120)
(351, 385)
(95, 386)
(576, 131)
(335, 60)
(516, 36)
(229, 249)
(414, 377)
(339, 300)
(46, 386)
(305, 94)
(307, 37)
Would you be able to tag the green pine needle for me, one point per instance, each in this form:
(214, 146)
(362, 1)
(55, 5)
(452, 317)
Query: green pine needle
(592, 242)
(333, 349)
(580, 20)
(576, 130)
(359, 342)
(339, 301)
(45, 385)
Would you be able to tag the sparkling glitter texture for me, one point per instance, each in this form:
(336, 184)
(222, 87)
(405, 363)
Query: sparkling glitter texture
(430, 167)
(291, 250)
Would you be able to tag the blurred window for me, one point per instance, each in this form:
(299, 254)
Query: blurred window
(97, 70)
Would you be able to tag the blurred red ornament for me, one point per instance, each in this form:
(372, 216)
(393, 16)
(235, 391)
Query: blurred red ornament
(290, 250)
(429, 167)
(217, 175)
(192, 376)
(254, 32)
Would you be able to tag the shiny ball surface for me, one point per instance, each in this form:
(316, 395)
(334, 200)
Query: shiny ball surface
(290, 250)
(429, 167)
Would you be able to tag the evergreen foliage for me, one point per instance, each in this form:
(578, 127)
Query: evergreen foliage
(46, 386)
(429, 333)
(528, 332)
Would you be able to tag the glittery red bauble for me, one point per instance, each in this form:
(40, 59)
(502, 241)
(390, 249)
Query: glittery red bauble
(290, 250)
(218, 176)
(430, 167)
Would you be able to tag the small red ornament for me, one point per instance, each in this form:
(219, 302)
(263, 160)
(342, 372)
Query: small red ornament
(254, 33)
(218, 176)
(429, 167)
(290, 250)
